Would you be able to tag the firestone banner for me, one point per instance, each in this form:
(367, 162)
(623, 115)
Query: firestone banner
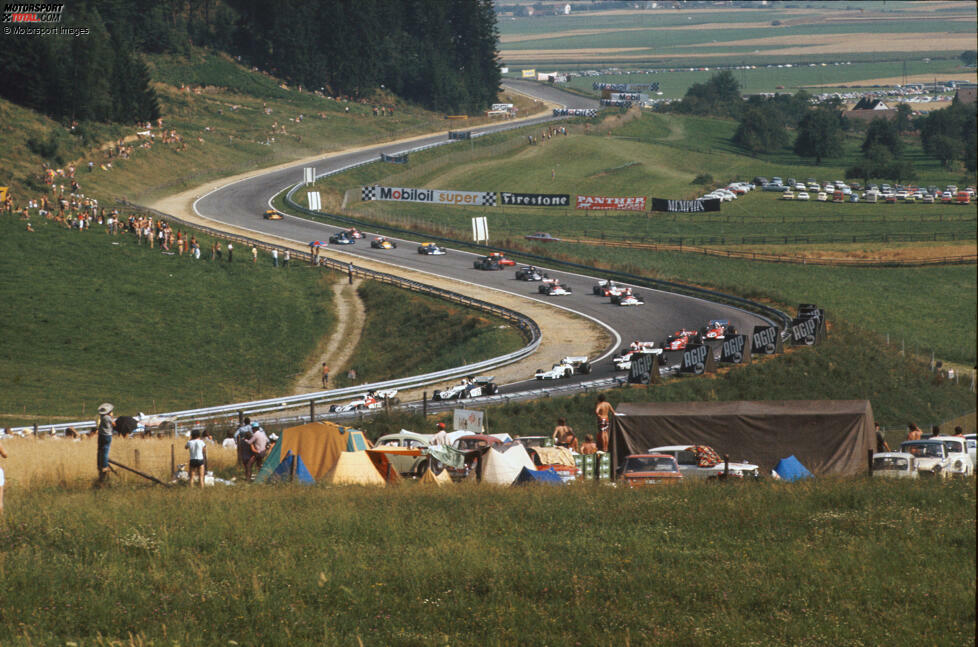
(535, 199)
(612, 204)
(432, 196)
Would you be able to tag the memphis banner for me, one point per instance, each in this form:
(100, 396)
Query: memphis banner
(431, 196)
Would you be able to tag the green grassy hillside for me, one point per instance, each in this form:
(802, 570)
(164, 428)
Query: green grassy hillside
(816, 563)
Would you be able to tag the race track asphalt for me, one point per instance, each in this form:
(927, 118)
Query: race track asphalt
(242, 203)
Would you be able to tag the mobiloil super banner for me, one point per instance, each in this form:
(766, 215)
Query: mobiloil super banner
(534, 199)
(432, 196)
(687, 206)
(615, 204)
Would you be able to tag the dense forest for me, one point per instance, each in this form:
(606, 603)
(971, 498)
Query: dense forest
(438, 53)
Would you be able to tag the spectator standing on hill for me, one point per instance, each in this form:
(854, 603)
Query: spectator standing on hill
(258, 443)
(914, 432)
(935, 430)
(274, 258)
(881, 444)
(254, 254)
(603, 412)
(563, 435)
(106, 424)
(285, 259)
(198, 457)
(3, 454)
(230, 251)
(325, 375)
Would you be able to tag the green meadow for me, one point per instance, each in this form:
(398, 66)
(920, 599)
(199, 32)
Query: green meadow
(815, 563)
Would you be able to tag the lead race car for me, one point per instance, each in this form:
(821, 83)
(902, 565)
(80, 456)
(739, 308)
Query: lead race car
(431, 249)
(474, 387)
(368, 400)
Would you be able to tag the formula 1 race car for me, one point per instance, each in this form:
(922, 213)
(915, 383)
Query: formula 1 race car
(619, 293)
(369, 400)
(431, 249)
(716, 329)
(382, 242)
(680, 339)
(528, 273)
(629, 300)
(624, 361)
(341, 238)
(553, 288)
(502, 260)
(565, 368)
(353, 232)
(486, 263)
(271, 214)
(608, 289)
(468, 388)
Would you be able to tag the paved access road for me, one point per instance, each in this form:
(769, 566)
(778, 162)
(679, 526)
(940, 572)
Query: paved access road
(242, 203)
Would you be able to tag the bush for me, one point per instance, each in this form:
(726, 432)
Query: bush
(703, 178)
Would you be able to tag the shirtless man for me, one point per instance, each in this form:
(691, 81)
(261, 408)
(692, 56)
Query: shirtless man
(603, 413)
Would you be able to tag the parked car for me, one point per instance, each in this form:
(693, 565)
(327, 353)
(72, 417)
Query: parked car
(802, 195)
(543, 237)
(639, 470)
(962, 461)
(474, 387)
(932, 457)
(566, 367)
(703, 462)
(412, 458)
(431, 249)
(895, 465)
(471, 447)
(822, 197)
(788, 195)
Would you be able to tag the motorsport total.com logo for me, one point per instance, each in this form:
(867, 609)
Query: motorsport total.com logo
(33, 13)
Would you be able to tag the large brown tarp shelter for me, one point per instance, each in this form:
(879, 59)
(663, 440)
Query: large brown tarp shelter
(827, 436)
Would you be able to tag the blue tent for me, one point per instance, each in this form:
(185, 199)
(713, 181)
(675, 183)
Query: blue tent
(548, 476)
(791, 469)
(284, 470)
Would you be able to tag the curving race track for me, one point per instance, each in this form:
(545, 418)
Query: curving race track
(241, 204)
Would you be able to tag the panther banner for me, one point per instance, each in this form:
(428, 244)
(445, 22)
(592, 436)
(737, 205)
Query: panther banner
(432, 196)
(460, 134)
(698, 360)
(685, 206)
(534, 199)
(766, 341)
(394, 159)
(735, 350)
(597, 202)
(644, 369)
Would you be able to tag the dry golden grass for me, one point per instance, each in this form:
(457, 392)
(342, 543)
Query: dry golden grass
(52, 461)
(970, 77)
(842, 43)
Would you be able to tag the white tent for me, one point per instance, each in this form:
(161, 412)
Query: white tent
(500, 468)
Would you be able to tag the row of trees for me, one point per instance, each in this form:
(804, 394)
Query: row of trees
(439, 53)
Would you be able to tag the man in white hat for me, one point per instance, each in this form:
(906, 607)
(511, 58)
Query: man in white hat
(106, 423)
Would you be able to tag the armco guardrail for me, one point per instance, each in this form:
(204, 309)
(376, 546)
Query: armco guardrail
(527, 327)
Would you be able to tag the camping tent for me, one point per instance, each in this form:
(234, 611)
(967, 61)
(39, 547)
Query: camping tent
(789, 469)
(284, 471)
(430, 478)
(828, 436)
(318, 444)
(502, 468)
(548, 476)
(354, 468)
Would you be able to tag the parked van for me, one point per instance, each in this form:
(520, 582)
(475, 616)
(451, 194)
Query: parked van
(963, 197)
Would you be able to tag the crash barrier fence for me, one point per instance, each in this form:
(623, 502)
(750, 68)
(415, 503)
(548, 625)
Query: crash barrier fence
(785, 239)
(527, 327)
(968, 259)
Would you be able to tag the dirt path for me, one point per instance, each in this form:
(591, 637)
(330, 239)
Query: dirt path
(350, 316)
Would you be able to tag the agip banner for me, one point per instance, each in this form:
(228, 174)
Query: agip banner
(432, 196)
(610, 204)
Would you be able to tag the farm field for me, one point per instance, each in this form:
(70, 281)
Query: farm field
(816, 33)
(756, 563)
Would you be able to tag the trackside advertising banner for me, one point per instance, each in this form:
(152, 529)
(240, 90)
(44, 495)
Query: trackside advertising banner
(687, 206)
(534, 199)
(610, 204)
(432, 196)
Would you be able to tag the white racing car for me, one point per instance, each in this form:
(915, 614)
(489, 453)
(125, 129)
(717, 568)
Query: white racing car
(369, 400)
(565, 368)
(624, 361)
(630, 300)
(468, 388)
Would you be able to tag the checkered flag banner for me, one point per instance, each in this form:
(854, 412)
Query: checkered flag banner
(489, 199)
(431, 196)
(368, 193)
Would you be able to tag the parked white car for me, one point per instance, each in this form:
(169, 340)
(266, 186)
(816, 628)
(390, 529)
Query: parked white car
(802, 195)
(895, 465)
(962, 461)
(689, 464)
(934, 459)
